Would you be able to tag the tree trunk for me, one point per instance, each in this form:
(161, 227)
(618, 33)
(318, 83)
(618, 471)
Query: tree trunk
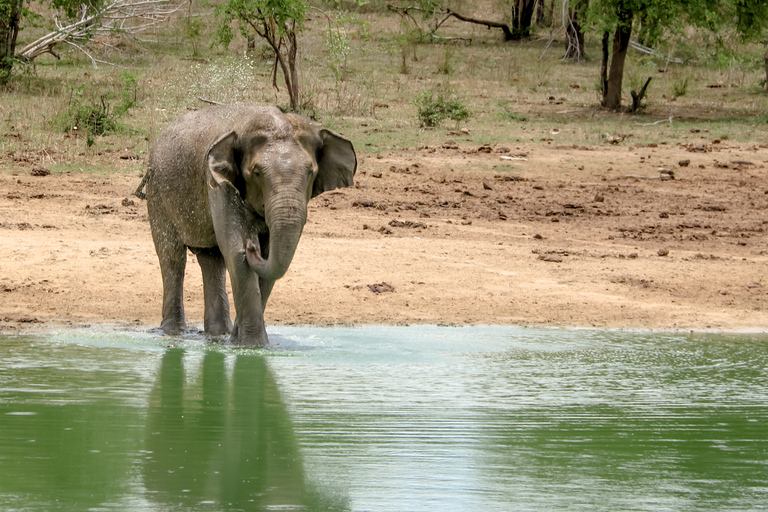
(522, 18)
(544, 12)
(604, 65)
(574, 36)
(637, 97)
(286, 49)
(766, 68)
(612, 93)
(9, 30)
(294, 85)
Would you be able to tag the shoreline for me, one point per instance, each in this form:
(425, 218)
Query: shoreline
(40, 329)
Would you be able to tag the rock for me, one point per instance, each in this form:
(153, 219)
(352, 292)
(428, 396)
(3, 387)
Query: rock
(40, 171)
(128, 202)
(552, 258)
(486, 186)
(381, 288)
(485, 148)
(684, 163)
(663, 251)
(407, 224)
(666, 174)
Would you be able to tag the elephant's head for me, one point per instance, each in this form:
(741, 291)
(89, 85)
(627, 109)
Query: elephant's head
(277, 162)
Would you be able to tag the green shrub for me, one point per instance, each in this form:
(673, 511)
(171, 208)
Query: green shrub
(680, 87)
(444, 66)
(507, 114)
(83, 115)
(433, 111)
(129, 96)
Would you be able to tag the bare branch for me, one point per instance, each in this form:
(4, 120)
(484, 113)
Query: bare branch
(126, 16)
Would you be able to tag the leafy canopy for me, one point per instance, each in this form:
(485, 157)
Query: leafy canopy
(748, 17)
(261, 16)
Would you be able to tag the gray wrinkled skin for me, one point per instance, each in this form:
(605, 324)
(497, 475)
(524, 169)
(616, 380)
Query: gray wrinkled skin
(231, 183)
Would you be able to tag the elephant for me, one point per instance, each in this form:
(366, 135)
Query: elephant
(231, 183)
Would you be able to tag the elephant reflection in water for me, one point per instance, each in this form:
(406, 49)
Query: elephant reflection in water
(230, 443)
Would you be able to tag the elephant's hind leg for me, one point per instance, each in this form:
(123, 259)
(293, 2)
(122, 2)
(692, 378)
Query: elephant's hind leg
(173, 259)
(217, 320)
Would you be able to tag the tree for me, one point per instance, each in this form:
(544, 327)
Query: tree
(275, 21)
(522, 18)
(748, 18)
(77, 22)
(612, 77)
(574, 12)
(751, 22)
(10, 24)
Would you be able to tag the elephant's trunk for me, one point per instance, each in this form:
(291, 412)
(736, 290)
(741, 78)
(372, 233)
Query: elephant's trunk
(285, 220)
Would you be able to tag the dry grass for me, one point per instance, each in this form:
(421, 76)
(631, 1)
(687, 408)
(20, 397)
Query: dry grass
(373, 104)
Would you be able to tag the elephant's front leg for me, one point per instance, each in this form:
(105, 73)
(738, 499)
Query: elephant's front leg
(249, 326)
(234, 225)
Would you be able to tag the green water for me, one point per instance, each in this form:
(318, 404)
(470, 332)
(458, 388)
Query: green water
(385, 418)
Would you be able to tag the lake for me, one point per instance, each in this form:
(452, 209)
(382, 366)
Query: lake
(385, 418)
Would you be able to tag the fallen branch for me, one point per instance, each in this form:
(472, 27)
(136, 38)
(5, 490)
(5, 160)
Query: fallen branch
(657, 122)
(210, 102)
(115, 16)
(445, 15)
(650, 51)
(490, 24)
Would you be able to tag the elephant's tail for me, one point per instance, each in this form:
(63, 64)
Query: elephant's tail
(140, 193)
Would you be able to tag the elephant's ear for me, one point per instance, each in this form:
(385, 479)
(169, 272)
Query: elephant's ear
(221, 160)
(336, 162)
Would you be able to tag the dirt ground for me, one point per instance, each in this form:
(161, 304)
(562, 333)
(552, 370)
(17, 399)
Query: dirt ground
(451, 234)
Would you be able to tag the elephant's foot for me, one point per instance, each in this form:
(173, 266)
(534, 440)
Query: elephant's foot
(173, 327)
(218, 327)
(252, 336)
